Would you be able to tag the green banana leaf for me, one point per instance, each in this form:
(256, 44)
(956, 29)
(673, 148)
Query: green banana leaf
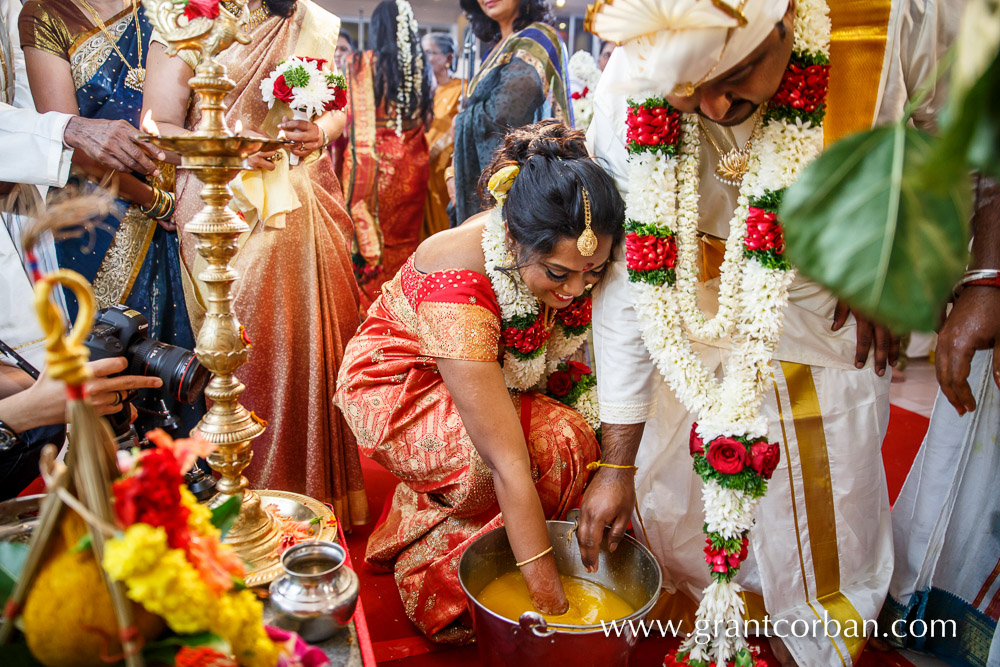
(863, 221)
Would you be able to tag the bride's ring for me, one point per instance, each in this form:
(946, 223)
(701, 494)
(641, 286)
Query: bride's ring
(118, 398)
(275, 158)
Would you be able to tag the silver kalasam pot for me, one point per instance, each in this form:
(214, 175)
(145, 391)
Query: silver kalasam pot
(631, 572)
(318, 592)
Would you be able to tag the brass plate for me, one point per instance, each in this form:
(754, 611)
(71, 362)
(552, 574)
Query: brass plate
(299, 508)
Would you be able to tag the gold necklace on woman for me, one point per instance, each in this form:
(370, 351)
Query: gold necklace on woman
(257, 16)
(733, 163)
(136, 76)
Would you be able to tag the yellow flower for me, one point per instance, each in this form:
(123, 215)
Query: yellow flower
(134, 553)
(200, 518)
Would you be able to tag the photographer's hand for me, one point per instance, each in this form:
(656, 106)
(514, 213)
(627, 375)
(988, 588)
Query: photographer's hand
(44, 402)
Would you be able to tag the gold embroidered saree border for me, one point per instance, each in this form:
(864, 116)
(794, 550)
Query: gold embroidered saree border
(458, 331)
(92, 49)
(124, 258)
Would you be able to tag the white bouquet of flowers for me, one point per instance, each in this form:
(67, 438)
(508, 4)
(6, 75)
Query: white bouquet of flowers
(306, 87)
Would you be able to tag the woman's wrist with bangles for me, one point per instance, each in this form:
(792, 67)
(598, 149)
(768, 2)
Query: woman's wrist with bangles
(161, 206)
(326, 137)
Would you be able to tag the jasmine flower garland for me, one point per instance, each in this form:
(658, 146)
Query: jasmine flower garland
(662, 208)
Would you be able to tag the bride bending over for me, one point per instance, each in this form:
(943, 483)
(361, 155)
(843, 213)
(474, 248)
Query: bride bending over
(423, 387)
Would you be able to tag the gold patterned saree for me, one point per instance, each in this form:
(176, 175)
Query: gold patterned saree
(296, 295)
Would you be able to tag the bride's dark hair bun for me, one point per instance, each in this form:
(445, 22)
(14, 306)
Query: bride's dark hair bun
(545, 204)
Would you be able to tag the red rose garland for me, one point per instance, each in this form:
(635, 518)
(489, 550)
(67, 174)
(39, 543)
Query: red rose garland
(653, 125)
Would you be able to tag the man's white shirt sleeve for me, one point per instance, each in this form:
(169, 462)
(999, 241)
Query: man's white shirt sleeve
(626, 377)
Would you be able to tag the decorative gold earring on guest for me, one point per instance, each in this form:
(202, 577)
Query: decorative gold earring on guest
(587, 243)
(510, 261)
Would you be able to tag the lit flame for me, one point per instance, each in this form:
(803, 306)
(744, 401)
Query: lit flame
(149, 125)
(238, 128)
(281, 134)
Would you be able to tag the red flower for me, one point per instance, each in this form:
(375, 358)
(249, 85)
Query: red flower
(581, 94)
(202, 656)
(764, 231)
(576, 314)
(803, 88)
(338, 102)
(653, 126)
(727, 455)
(281, 89)
(319, 61)
(577, 370)
(560, 383)
(648, 252)
(527, 340)
(695, 444)
(764, 458)
(201, 8)
(153, 496)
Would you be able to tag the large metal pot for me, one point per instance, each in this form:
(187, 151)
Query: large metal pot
(631, 572)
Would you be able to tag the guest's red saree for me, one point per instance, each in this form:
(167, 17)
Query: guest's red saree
(403, 415)
(385, 179)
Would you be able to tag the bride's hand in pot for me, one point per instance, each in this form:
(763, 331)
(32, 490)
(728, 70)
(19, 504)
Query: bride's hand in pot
(545, 586)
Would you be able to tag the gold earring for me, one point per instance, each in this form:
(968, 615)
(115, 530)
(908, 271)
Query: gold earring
(587, 243)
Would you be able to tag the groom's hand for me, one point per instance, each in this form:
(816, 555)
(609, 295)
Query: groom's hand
(608, 501)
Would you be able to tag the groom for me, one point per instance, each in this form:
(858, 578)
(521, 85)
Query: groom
(822, 547)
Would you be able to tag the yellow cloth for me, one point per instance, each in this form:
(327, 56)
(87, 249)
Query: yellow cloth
(265, 195)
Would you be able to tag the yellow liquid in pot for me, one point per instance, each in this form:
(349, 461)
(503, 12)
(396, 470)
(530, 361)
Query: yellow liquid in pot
(589, 603)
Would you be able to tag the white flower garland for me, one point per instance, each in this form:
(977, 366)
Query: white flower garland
(517, 301)
(663, 191)
(409, 88)
(584, 70)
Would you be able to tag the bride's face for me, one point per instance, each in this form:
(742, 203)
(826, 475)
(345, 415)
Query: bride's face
(564, 274)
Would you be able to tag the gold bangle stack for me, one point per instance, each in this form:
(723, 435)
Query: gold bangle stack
(535, 557)
(449, 172)
(326, 137)
(162, 206)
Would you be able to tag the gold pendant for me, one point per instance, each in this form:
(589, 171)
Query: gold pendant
(135, 78)
(733, 166)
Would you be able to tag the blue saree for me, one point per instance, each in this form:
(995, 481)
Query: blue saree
(130, 258)
(523, 80)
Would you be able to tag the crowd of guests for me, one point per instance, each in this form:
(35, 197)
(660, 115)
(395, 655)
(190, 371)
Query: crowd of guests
(367, 284)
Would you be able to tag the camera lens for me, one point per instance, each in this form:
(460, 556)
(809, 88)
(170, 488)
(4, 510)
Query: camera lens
(183, 376)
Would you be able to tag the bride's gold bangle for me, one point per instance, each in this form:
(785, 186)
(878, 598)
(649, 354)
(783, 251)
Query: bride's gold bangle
(535, 557)
(601, 464)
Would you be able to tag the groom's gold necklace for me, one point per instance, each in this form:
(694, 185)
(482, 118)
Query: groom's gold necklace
(136, 76)
(733, 163)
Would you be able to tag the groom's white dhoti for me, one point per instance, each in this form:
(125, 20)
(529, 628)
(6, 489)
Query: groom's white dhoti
(821, 552)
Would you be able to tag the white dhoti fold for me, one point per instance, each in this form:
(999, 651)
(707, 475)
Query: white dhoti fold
(946, 527)
(821, 550)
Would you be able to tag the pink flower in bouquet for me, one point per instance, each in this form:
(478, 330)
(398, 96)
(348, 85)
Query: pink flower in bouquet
(764, 457)
(282, 91)
(208, 9)
(727, 455)
(695, 444)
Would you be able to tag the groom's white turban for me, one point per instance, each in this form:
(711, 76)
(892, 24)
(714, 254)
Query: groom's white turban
(672, 46)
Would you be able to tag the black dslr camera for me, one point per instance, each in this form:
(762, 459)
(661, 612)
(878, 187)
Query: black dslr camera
(120, 331)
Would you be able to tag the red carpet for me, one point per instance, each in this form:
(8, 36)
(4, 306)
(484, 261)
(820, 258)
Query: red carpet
(397, 642)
